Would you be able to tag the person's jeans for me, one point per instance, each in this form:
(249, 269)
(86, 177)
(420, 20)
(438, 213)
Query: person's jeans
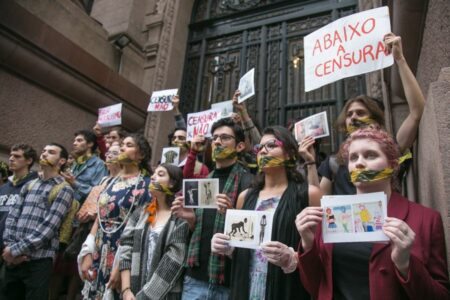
(194, 289)
(29, 280)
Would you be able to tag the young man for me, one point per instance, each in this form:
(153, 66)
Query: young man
(192, 168)
(88, 169)
(21, 159)
(207, 274)
(31, 234)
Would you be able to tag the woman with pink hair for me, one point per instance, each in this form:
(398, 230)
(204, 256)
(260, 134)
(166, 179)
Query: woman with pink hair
(412, 265)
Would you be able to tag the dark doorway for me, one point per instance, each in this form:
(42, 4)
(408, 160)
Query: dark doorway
(229, 37)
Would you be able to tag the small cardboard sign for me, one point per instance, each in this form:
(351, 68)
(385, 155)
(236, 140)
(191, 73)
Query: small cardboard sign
(200, 193)
(110, 115)
(248, 228)
(201, 122)
(225, 107)
(247, 86)
(347, 47)
(315, 126)
(171, 155)
(162, 100)
(354, 218)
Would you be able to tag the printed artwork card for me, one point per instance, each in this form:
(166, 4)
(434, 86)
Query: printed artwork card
(171, 155)
(200, 193)
(247, 86)
(315, 126)
(248, 228)
(354, 218)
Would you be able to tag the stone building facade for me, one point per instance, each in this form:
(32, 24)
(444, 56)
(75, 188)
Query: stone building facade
(60, 60)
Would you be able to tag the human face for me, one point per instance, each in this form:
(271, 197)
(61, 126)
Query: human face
(51, 156)
(114, 136)
(80, 145)
(113, 153)
(179, 136)
(130, 148)
(224, 137)
(269, 146)
(366, 154)
(18, 162)
(356, 110)
(161, 176)
(107, 138)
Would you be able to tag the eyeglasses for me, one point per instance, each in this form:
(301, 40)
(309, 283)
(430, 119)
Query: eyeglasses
(114, 153)
(179, 137)
(222, 137)
(270, 145)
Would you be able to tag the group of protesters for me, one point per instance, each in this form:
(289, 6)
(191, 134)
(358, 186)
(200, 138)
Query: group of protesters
(99, 222)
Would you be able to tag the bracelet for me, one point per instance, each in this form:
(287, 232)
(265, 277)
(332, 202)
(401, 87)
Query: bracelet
(309, 163)
(293, 262)
(124, 290)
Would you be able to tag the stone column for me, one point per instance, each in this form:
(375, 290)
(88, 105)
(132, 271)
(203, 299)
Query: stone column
(434, 151)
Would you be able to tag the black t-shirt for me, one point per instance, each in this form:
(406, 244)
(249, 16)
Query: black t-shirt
(209, 216)
(351, 270)
(341, 180)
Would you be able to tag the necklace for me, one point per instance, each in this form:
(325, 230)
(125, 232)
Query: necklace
(121, 224)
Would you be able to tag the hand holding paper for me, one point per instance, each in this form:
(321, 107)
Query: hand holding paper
(306, 223)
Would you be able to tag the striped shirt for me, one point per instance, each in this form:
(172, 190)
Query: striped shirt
(33, 223)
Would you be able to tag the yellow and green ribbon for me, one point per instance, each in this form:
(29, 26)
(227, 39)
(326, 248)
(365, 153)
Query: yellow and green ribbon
(221, 153)
(156, 186)
(359, 123)
(271, 162)
(366, 175)
(123, 158)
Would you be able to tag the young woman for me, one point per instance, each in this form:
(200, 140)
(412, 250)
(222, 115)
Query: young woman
(412, 265)
(360, 112)
(121, 197)
(154, 243)
(269, 273)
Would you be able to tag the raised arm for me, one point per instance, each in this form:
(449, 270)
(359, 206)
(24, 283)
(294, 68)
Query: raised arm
(407, 133)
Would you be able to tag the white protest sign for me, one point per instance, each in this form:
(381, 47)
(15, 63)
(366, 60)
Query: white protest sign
(201, 122)
(162, 100)
(247, 86)
(354, 218)
(110, 115)
(347, 47)
(225, 107)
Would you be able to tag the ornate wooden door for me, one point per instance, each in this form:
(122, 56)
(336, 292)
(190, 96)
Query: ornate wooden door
(229, 37)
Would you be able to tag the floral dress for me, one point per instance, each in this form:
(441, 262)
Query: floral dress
(258, 262)
(115, 204)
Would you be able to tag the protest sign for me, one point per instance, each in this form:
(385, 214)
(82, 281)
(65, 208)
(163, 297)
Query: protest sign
(247, 86)
(225, 107)
(248, 228)
(110, 115)
(315, 126)
(347, 47)
(162, 100)
(201, 122)
(170, 155)
(354, 218)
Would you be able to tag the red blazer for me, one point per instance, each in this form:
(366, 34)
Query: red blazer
(427, 278)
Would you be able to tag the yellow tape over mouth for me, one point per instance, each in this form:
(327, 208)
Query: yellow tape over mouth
(124, 159)
(271, 162)
(360, 123)
(366, 175)
(223, 153)
(156, 186)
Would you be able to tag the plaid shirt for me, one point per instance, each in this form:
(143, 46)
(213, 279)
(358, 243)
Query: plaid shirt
(33, 223)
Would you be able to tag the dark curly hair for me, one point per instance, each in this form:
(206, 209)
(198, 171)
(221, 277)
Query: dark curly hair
(145, 150)
(290, 147)
(176, 179)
